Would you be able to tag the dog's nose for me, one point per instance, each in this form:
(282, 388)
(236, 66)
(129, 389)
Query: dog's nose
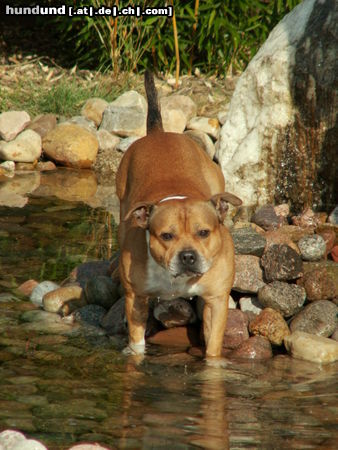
(188, 258)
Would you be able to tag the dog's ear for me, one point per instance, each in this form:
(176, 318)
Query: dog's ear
(140, 212)
(220, 202)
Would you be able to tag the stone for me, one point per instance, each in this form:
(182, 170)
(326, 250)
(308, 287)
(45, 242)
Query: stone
(279, 236)
(174, 121)
(179, 102)
(91, 314)
(174, 313)
(223, 115)
(185, 336)
(206, 124)
(85, 446)
(43, 123)
(313, 348)
(87, 271)
(102, 291)
(263, 149)
(40, 290)
(203, 140)
(71, 145)
(286, 298)
(93, 109)
(256, 348)
(335, 335)
(318, 285)
(281, 263)
(282, 211)
(114, 321)
(124, 144)
(9, 438)
(329, 237)
(54, 301)
(248, 242)
(330, 266)
(319, 317)
(334, 253)
(333, 217)
(270, 324)
(236, 330)
(250, 305)
(8, 166)
(312, 248)
(12, 123)
(106, 140)
(266, 217)
(308, 218)
(83, 122)
(126, 116)
(248, 274)
(26, 147)
(44, 166)
(27, 287)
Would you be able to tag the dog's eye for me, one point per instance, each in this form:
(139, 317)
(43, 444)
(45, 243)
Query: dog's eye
(167, 236)
(203, 233)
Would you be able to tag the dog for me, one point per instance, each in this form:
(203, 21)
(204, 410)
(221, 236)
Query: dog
(172, 239)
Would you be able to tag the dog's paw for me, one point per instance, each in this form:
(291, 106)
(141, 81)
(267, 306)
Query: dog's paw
(135, 349)
(217, 362)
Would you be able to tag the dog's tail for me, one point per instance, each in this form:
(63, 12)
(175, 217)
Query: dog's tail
(154, 119)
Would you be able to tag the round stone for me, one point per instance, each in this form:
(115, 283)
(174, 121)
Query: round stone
(312, 248)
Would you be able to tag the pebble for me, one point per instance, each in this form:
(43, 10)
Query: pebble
(286, 298)
(8, 166)
(311, 348)
(329, 237)
(208, 125)
(174, 313)
(248, 275)
(203, 140)
(71, 145)
(270, 324)
(12, 123)
(185, 336)
(312, 248)
(43, 123)
(44, 166)
(308, 218)
(319, 317)
(236, 330)
(114, 321)
(281, 263)
(91, 314)
(101, 290)
(179, 102)
(256, 347)
(40, 290)
(266, 217)
(250, 305)
(93, 109)
(318, 285)
(248, 242)
(54, 301)
(27, 287)
(124, 144)
(26, 147)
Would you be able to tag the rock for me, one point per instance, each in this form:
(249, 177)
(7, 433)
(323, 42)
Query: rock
(329, 237)
(87, 271)
(320, 318)
(276, 237)
(334, 253)
(312, 248)
(93, 109)
(124, 144)
(318, 285)
(256, 347)
(282, 211)
(335, 335)
(263, 150)
(44, 166)
(84, 123)
(250, 305)
(203, 140)
(281, 263)
(266, 217)
(179, 102)
(270, 324)
(106, 140)
(236, 330)
(248, 242)
(209, 126)
(40, 290)
(330, 266)
(38, 315)
(8, 166)
(248, 274)
(174, 313)
(10, 438)
(85, 446)
(286, 298)
(43, 123)
(71, 145)
(114, 322)
(308, 218)
(174, 121)
(54, 301)
(27, 288)
(26, 147)
(186, 336)
(126, 116)
(223, 115)
(333, 217)
(91, 314)
(12, 123)
(311, 348)
(102, 291)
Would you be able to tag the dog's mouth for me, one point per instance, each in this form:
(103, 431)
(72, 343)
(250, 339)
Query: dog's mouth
(188, 274)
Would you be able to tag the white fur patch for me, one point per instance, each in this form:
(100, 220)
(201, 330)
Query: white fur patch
(173, 197)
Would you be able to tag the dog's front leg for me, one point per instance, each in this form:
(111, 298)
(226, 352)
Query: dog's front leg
(137, 315)
(214, 323)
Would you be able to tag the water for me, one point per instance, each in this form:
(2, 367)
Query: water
(62, 384)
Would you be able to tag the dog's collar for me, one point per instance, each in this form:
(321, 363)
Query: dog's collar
(173, 197)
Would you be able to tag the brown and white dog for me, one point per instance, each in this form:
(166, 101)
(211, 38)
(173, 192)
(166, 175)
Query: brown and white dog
(172, 238)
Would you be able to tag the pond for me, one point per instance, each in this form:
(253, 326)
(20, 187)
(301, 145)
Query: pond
(66, 385)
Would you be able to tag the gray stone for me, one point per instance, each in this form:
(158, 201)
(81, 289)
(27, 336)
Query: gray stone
(312, 248)
(124, 144)
(90, 314)
(320, 318)
(248, 274)
(286, 298)
(174, 313)
(83, 122)
(26, 147)
(266, 218)
(250, 305)
(101, 290)
(333, 217)
(114, 322)
(281, 263)
(248, 242)
(106, 140)
(311, 348)
(40, 290)
(12, 123)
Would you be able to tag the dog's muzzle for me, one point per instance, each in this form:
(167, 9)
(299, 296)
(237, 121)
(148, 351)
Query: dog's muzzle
(188, 263)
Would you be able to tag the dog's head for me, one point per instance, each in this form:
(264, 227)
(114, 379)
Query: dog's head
(184, 234)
